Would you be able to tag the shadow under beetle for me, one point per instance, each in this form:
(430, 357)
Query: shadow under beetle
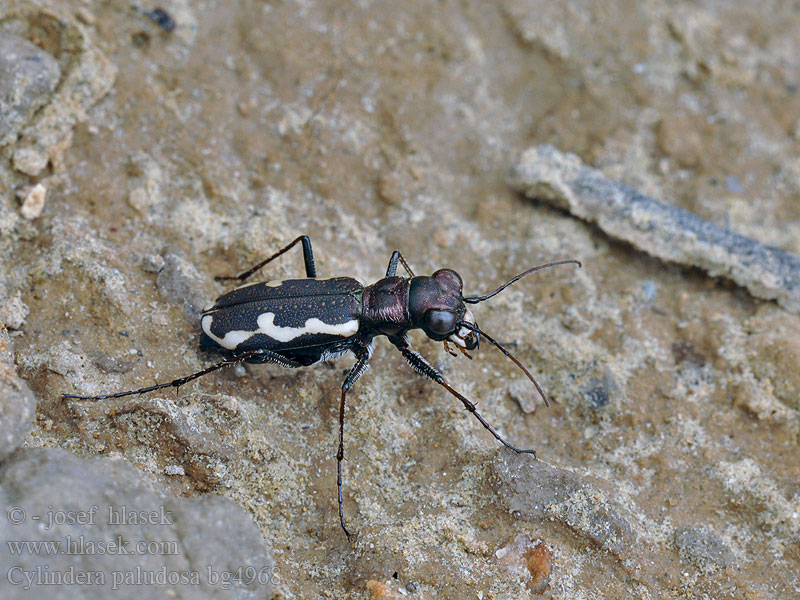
(299, 322)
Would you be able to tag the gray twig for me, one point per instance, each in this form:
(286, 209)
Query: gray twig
(663, 231)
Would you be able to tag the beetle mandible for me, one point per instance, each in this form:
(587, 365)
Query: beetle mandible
(299, 322)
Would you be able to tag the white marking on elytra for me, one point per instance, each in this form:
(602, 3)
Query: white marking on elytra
(231, 340)
(266, 326)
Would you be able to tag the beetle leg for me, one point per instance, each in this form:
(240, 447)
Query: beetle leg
(308, 259)
(392, 268)
(356, 371)
(423, 367)
(266, 355)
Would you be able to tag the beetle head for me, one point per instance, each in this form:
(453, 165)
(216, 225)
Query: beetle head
(436, 306)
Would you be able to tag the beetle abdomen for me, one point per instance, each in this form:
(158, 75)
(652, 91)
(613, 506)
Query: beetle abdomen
(286, 315)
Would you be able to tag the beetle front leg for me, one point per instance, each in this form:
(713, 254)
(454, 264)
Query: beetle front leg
(423, 367)
(308, 259)
(356, 371)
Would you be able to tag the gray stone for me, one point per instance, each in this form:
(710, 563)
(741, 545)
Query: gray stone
(182, 284)
(13, 311)
(111, 529)
(521, 390)
(703, 547)
(535, 490)
(28, 76)
(17, 402)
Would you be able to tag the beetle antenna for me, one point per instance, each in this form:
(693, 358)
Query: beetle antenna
(476, 299)
(509, 355)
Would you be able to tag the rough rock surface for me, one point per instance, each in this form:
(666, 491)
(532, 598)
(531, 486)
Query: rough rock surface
(17, 402)
(28, 75)
(395, 125)
(703, 547)
(94, 528)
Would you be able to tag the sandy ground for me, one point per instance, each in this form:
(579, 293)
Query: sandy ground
(668, 463)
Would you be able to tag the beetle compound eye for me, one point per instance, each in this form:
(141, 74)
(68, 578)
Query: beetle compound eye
(450, 275)
(440, 321)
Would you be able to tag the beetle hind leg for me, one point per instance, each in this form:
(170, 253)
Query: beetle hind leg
(308, 259)
(391, 270)
(264, 355)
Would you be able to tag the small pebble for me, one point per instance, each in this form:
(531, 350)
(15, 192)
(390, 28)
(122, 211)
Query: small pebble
(523, 553)
(13, 311)
(733, 185)
(649, 289)
(153, 263)
(381, 591)
(703, 547)
(33, 204)
(521, 391)
(30, 161)
(596, 396)
(163, 19)
(540, 564)
(442, 238)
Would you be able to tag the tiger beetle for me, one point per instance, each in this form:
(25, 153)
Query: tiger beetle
(299, 322)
